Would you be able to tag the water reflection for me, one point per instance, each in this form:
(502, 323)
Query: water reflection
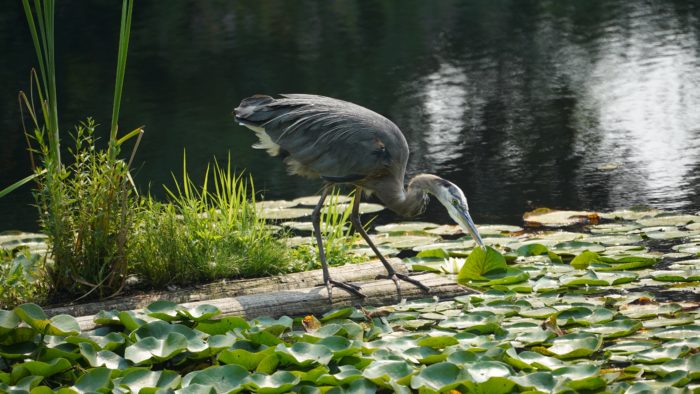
(645, 92)
(444, 102)
(521, 103)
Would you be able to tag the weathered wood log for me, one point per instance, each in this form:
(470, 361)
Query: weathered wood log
(314, 300)
(232, 288)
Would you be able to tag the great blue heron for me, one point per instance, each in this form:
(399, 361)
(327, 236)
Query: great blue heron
(341, 142)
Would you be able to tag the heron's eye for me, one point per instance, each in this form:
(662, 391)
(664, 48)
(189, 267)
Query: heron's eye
(455, 202)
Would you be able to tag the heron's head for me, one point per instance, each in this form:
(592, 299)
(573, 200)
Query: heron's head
(452, 197)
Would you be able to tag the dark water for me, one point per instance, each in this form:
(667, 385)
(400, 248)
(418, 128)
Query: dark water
(567, 104)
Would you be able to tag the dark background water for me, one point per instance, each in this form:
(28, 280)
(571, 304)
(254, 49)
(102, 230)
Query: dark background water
(566, 104)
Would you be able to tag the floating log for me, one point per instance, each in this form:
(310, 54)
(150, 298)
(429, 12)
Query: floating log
(233, 288)
(314, 300)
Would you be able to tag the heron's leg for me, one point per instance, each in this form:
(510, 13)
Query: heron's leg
(391, 272)
(316, 221)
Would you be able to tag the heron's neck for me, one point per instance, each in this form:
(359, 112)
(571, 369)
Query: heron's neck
(413, 200)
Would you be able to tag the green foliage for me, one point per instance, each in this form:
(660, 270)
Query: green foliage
(23, 278)
(85, 209)
(205, 233)
(169, 347)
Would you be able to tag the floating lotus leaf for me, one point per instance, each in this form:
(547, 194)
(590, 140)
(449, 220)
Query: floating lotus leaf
(424, 355)
(481, 322)
(222, 326)
(584, 259)
(438, 377)
(39, 368)
(575, 345)
(680, 332)
(101, 358)
(200, 312)
(285, 213)
(481, 262)
(588, 278)
(670, 220)
(553, 218)
(313, 200)
(445, 229)
(340, 346)
(278, 382)
(277, 204)
(404, 241)
(627, 214)
(690, 365)
(249, 359)
(583, 316)
(460, 244)
(497, 229)
(670, 234)
(676, 276)
(304, 354)
(405, 227)
(143, 379)
(93, 381)
(220, 379)
(346, 374)
(163, 310)
(615, 328)
(660, 354)
(613, 240)
(35, 317)
(572, 248)
(692, 248)
(631, 346)
(529, 361)
(580, 377)
(606, 228)
(382, 372)
(676, 320)
(535, 382)
(646, 311)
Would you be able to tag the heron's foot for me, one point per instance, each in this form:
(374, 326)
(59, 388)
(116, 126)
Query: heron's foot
(349, 287)
(395, 276)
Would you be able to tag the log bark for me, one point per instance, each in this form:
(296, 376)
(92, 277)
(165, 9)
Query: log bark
(314, 300)
(233, 288)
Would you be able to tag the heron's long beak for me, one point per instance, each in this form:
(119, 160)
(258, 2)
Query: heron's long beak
(465, 220)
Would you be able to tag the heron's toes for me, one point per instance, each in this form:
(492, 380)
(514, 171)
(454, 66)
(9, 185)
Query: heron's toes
(396, 276)
(349, 287)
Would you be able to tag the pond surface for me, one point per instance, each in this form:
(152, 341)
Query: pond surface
(566, 104)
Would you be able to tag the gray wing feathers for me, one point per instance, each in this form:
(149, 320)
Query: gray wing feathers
(331, 137)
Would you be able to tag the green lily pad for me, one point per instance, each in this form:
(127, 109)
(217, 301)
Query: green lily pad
(140, 379)
(615, 328)
(304, 354)
(220, 379)
(575, 345)
(438, 377)
(481, 262)
(660, 354)
(405, 227)
(276, 383)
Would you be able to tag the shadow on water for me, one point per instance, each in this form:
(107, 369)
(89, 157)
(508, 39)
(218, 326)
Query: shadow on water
(569, 104)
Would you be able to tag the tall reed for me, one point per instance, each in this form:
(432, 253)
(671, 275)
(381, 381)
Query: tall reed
(85, 207)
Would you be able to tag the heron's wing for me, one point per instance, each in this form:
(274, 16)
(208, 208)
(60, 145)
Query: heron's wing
(337, 140)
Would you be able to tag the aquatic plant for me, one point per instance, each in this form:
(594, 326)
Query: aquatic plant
(205, 232)
(85, 206)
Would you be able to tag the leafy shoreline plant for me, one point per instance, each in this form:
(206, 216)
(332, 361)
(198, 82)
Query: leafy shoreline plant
(86, 207)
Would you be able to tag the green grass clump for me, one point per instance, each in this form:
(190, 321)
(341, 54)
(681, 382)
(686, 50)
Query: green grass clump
(203, 235)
